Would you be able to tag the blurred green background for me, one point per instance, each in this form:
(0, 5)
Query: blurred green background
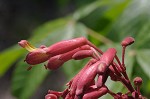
(104, 22)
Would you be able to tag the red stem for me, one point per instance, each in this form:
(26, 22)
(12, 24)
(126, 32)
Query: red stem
(123, 55)
(127, 84)
(138, 90)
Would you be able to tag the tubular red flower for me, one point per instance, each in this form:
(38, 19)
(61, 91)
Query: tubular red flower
(83, 54)
(35, 55)
(58, 60)
(83, 85)
(86, 78)
(66, 45)
(54, 62)
(108, 56)
(77, 77)
(106, 60)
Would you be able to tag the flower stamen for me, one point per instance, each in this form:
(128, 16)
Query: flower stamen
(25, 44)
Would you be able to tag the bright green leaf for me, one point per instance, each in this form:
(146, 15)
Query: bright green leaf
(132, 21)
(24, 82)
(46, 29)
(8, 57)
(85, 11)
(143, 60)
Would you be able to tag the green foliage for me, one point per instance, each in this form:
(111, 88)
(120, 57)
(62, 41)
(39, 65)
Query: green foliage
(104, 22)
(24, 83)
(143, 60)
(10, 55)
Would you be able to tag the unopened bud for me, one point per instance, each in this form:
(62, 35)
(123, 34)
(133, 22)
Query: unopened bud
(83, 54)
(51, 96)
(58, 60)
(96, 93)
(108, 56)
(87, 78)
(75, 80)
(66, 45)
(54, 62)
(106, 60)
(127, 41)
(35, 55)
(137, 81)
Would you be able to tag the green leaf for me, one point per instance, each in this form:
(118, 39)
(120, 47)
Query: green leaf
(144, 33)
(114, 87)
(132, 21)
(24, 82)
(8, 57)
(47, 28)
(114, 12)
(143, 60)
(85, 11)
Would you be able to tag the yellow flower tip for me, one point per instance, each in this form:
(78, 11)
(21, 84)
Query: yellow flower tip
(25, 44)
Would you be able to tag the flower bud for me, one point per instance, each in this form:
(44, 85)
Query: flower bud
(127, 41)
(77, 77)
(137, 81)
(58, 60)
(51, 96)
(83, 54)
(66, 45)
(35, 55)
(106, 60)
(108, 56)
(54, 62)
(102, 79)
(87, 78)
(95, 93)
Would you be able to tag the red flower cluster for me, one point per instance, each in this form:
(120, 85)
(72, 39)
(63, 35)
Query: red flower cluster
(101, 65)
